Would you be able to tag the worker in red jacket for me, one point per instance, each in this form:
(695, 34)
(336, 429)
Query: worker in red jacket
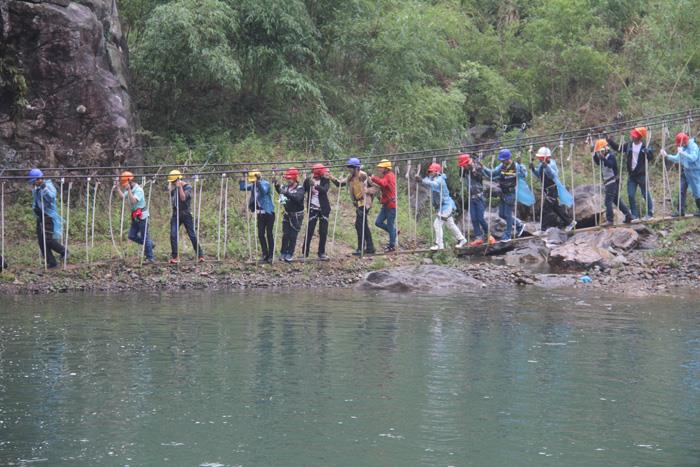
(386, 220)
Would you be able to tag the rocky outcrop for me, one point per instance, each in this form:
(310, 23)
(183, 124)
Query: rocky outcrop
(426, 278)
(67, 101)
(588, 249)
(589, 204)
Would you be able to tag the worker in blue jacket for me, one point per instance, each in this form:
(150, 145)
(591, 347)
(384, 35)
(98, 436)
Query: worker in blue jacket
(688, 155)
(444, 205)
(261, 205)
(556, 197)
(49, 224)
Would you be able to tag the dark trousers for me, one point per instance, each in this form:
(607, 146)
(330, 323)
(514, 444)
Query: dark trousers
(186, 220)
(51, 243)
(266, 234)
(139, 233)
(362, 225)
(291, 224)
(551, 205)
(611, 197)
(315, 217)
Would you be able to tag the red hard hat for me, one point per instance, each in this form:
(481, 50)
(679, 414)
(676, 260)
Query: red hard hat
(463, 160)
(291, 174)
(681, 139)
(435, 167)
(318, 170)
(635, 134)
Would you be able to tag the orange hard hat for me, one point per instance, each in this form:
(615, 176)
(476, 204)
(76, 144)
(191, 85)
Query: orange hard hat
(681, 139)
(291, 174)
(319, 170)
(639, 132)
(435, 167)
(464, 160)
(600, 145)
(125, 178)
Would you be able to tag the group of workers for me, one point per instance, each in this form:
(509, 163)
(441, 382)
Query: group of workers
(310, 198)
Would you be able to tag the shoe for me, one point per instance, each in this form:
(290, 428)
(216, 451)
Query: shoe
(636, 220)
(520, 230)
(477, 242)
(150, 260)
(323, 257)
(492, 241)
(389, 249)
(436, 248)
(370, 251)
(174, 261)
(65, 254)
(609, 223)
(287, 258)
(462, 243)
(505, 239)
(648, 218)
(571, 226)
(201, 259)
(628, 219)
(676, 214)
(52, 266)
(357, 253)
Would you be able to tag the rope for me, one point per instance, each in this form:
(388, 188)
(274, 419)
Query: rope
(364, 215)
(195, 217)
(335, 220)
(148, 221)
(530, 183)
(65, 247)
(225, 217)
(221, 206)
(304, 251)
(469, 202)
(647, 195)
(61, 199)
(541, 196)
(199, 217)
(621, 172)
(121, 220)
(664, 180)
(278, 221)
(396, 200)
(573, 183)
(177, 218)
(254, 195)
(109, 214)
(43, 230)
(415, 210)
(2, 225)
(490, 192)
(92, 228)
(87, 221)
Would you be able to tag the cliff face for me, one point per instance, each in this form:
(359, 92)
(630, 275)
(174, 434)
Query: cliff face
(64, 94)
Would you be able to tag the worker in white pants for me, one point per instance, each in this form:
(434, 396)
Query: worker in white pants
(444, 205)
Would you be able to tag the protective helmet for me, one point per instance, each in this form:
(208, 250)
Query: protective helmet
(252, 176)
(600, 144)
(464, 160)
(125, 178)
(174, 175)
(435, 167)
(639, 132)
(682, 139)
(384, 164)
(319, 170)
(543, 153)
(353, 162)
(504, 155)
(34, 175)
(291, 174)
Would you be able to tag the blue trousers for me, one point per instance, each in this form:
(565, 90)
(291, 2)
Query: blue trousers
(386, 220)
(505, 212)
(138, 232)
(476, 212)
(632, 184)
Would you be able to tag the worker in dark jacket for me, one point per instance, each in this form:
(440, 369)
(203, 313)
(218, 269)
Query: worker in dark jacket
(603, 155)
(474, 175)
(292, 198)
(316, 187)
(180, 201)
(638, 156)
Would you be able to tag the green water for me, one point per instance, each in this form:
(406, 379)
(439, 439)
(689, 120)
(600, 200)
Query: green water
(346, 378)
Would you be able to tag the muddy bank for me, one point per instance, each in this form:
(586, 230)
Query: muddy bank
(641, 274)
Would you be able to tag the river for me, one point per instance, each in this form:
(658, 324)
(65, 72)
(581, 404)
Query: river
(489, 378)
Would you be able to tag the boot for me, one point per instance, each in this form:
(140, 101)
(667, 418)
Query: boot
(697, 203)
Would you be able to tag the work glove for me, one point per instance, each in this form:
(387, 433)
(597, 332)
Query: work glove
(663, 153)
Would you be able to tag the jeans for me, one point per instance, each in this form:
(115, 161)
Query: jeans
(632, 184)
(138, 232)
(476, 212)
(315, 217)
(386, 220)
(505, 212)
(51, 244)
(266, 234)
(362, 228)
(186, 220)
(611, 198)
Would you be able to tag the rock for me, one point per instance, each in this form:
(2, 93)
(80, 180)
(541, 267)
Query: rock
(76, 109)
(532, 252)
(554, 236)
(424, 278)
(589, 203)
(593, 249)
(554, 281)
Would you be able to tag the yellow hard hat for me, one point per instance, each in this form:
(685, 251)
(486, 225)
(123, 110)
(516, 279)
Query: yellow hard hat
(252, 175)
(174, 175)
(384, 164)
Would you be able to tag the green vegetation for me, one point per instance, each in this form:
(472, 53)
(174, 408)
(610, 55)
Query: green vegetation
(328, 77)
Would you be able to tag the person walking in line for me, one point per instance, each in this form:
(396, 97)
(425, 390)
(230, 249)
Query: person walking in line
(356, 181)
(688, 156)
(444, 206)
(138, 232)
(316, 187)
(556, 197)
(386, 219)
(180, 201)
(261, 205)
(49, 225)
(292, 198)
(474, 175)
(638, 156)
(605, 157)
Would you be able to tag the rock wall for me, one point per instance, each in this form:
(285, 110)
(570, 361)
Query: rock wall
(75, 108)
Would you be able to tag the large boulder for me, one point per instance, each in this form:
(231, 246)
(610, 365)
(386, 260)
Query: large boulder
(68, 103)
(589, 204)
(425, 278)
(588, 249)
(532, 252)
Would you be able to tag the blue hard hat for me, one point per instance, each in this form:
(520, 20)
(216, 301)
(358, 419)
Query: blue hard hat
(34, 174)
(504, 154)
(353, 162)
